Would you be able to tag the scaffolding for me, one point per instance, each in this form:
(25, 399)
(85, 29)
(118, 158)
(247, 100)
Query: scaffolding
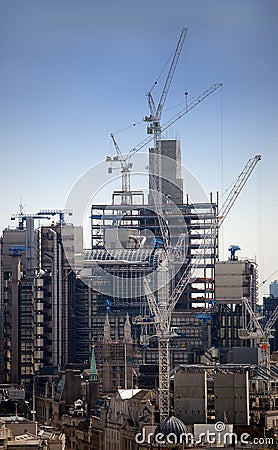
(187, 224)
(116, 251)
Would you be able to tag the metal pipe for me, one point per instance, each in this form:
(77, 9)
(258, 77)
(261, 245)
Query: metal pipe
(60, 304)
(66, 318)
(30, 252)
(1, 311)
(54, 300)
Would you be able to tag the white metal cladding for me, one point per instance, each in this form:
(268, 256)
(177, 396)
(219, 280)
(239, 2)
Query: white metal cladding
(137, 256)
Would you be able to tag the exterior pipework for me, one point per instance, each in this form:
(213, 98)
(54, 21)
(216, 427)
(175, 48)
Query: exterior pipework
(54, 299)
(66, 319)
(1, 315)
(30, 252)
(60, 304)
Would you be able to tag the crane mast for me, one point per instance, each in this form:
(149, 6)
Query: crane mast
(162, 308)
(154, 118)
(162, 325)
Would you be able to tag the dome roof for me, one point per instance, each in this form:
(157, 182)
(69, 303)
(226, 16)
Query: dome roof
(171, 424)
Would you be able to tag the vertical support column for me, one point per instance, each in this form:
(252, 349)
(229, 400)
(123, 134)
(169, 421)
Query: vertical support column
(60, 316)
(1, 315)
(15, 333)
(30, 244)
(54, 317)
(164, 376)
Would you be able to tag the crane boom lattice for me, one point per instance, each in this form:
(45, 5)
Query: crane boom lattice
(237, 187)
(271, 321)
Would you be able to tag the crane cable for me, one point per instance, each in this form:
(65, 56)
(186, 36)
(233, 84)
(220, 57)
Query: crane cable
(153, 86)
(128, 127)
(161, 73)
(264, 281)
(260, 233)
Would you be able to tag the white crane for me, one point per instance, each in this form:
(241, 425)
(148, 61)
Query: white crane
(54, 212)
(237, 187)
(254, 330)
(125, 159)
(155, 128)
(162, 305)
(154, 118)
(161, 309)
(266, 279)
(155, 112)
(126, 166)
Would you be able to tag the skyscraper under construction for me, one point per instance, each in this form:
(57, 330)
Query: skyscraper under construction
(52, 306)
(128, 244)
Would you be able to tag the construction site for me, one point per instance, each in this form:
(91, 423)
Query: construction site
(151, 296)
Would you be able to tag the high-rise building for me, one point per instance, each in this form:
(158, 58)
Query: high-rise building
(16, 308)
(36, 298)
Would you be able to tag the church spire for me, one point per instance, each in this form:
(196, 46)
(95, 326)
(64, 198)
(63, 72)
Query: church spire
(127, 331)
(93, 368)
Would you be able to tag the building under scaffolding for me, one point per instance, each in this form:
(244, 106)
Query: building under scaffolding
(128, 245)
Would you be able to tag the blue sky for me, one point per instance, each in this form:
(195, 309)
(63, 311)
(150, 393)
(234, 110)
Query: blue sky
(73, 72)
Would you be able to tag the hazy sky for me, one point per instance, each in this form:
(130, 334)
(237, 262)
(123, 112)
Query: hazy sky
(72, 72)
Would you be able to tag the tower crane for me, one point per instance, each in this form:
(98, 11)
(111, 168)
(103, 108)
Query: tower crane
(54, 212)
(126, 165)
(29, 219)
(254, 330)
(42, 214)
(155, 112)
(22, 217)
(125, 159)
(161, 309)
(154, 118)
(162, 306)
(237, 187)
(30, 250)
(154, 126)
